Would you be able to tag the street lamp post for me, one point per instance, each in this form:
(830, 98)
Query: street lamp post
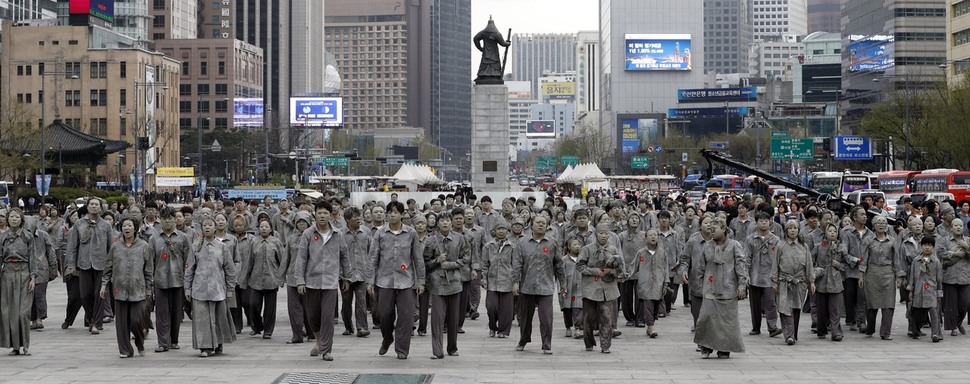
(43, 123)
(139, 171)
(266, 128)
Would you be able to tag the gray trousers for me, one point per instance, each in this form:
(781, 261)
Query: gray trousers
(499, 307)
(652, 308)
(89, 283)
(527, 310)
(829, 312)
(475, 293)
(263, 300)
(600, 312)
(464, 298)
(445, 310)
(885, 324)
(956, 302)
(762, 301)
(128, 317)
(296, 311)
(320, 308)
(695, 306)
(396, 304)
(789, 324)
(919, 317)
(855, 302)
(168, 315)
(354, 307)
(39, 310)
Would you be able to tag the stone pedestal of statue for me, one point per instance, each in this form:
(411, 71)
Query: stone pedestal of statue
(490, 138)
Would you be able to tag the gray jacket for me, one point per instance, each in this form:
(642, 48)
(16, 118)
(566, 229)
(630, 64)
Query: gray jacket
(593, 259)
(829, 278)
(88, 244)
(396, 260)
(725, 269)
(926, 282)
(630, 243)
(264, 271)
(956, 263)
(762, 253)
(242, 256)
(171, 253)
(130, 270)
(445, 278)
(320, 262)
(650, 272)
(358, 246)
(497, 265)
(537, 266)
(210, 274)
(857, 246)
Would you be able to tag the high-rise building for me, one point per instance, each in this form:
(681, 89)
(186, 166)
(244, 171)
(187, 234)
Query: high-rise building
(587, 71)
(896, 44)
(562, 115)
(174, 19)
(958, 40)
(307, 68)
(521, 101)
(368, 40)
(824, 15)
(728, 32)
(28, 10)
(817, 75)
(132, 19)
(533, 54)
(776, 18)
(633, 92)
(770, 59)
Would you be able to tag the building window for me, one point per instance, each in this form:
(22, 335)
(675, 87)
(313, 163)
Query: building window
(185, 89)
(203, 106)
(99, 97)
(158, 36)
(29, 69)
(72, 98)
(123, 70)
(222, 106)
(204, 68)
(202, 89)
(185, 123)
(123, 127)
(222, 68)
(20, 70)
(123, 97)
(185, 106)
(73, 68)
(158, 4)
(222, 122)
(185, 67)
(222, 89)
(159, 21)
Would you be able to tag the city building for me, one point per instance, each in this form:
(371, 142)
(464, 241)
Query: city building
(173, 19)
(557, 88)
(521, 101)
(728, 32)
(533, 54)
(561, 115)
(132, 18)
(774, 19)
(368, 40)
(23, 10)
(824, 15)
(958, 37)
(587, 71)
(886, 46)
(769, 59)
(112, 89)
(631, 92)
(817, 74)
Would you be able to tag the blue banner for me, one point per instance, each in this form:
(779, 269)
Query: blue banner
(316, 111)
(658, 52)
(257, 194)
(706, 112)
(247, 112)
(872, 53)
(706, 95)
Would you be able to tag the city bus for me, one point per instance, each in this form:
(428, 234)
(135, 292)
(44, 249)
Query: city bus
(727, 183)
(644, 182)
(895, 184)
(841, 183)
(952, 181)
(5, 188)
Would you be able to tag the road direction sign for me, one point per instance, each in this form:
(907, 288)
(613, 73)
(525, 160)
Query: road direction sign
(640, 162)
(336, 161)
(852, 148)
(792, 149)
(569, 160)
(779, 133)
(545, 163)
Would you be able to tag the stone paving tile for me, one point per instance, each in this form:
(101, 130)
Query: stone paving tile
(65, 356)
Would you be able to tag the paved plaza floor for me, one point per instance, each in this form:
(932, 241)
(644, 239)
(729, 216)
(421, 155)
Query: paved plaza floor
(73, 355)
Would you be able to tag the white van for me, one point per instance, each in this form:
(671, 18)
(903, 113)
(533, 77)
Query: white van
(856, 197)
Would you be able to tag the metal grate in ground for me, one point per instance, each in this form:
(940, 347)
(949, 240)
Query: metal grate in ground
(351, 378)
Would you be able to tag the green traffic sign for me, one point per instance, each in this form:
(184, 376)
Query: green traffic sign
(546, 162)
(569, 160)
(792, 149)
(779, 133)
(336, 161)
(640, 162)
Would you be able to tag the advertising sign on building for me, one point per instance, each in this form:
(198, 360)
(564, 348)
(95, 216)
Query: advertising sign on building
(707, 95)
(320, 112)
(540, 129)
(558, 90)
(149, 122)
(658, 52)
(247, 112)
(102, 9)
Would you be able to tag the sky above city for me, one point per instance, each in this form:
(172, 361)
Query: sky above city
(536, 16)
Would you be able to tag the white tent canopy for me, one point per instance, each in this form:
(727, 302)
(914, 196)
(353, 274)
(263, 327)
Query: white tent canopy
(584, 172)
(416, 174)
(564, 176)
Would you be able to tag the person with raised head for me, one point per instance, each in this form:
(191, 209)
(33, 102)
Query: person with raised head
(956, 279)
(354, 309)
(172, 248)
(650, 268)
(830, 262)
(600, 264)
(445, 254)
(673, 244)
(264, 276)
(762, 251)
(880, 269)
(856, 238)
(792, 278)
(395, 270)
(130, 269)
(690, 259)
(322, 266)
(210, 279)
(631, 241)
(295, 305)
(242, 246)
(497, 256)
(537, 269)
(925, 287)
(88, 245)
(26, 257)
(726, 278)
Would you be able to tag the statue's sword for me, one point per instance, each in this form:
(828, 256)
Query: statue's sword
(506, 56)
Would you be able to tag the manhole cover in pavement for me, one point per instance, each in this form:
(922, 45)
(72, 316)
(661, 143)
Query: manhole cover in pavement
(351, 378)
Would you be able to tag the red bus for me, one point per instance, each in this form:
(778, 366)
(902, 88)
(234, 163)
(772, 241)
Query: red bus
(951, 181)
(894, 184)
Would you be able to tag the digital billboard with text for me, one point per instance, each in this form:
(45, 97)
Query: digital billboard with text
(658, 52)
(540, 129)
(871, 53)
(320, 112)
(102, 9)
(247, 112)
